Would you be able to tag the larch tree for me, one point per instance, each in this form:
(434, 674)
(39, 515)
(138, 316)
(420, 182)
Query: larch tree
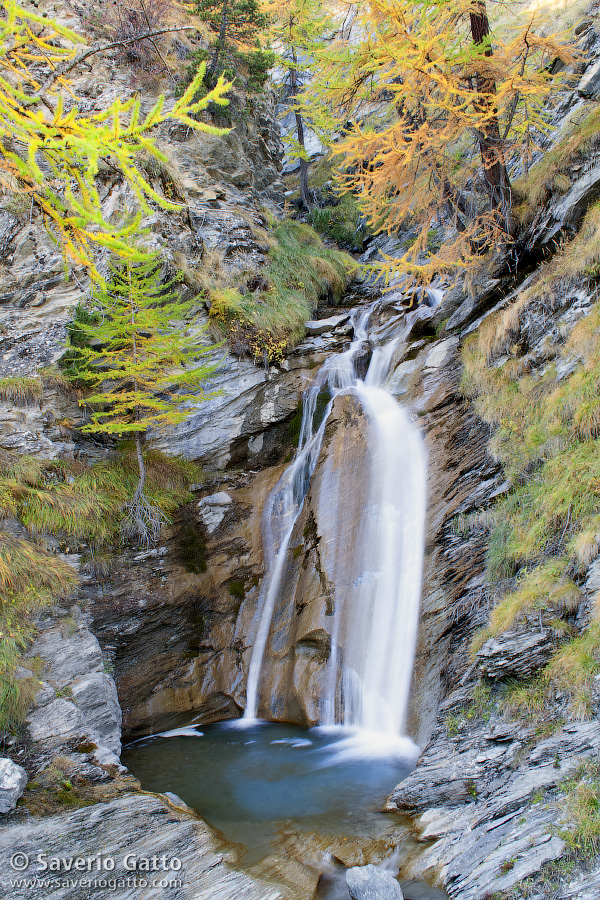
(51, 150)
(298, 29)
(440, 110)
(143, 364)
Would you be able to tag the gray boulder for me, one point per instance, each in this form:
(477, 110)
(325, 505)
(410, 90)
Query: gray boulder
(371, 883)
(96, 696)
(13, 779)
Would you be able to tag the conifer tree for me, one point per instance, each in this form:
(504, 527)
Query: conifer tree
(457, 105)
(51, 150)
(238, 20)
(147, 366)
(299, 27)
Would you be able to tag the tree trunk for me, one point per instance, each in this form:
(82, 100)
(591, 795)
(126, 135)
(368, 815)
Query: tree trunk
(304, 191)
(142, 468)
(490, 142)
(220, 43)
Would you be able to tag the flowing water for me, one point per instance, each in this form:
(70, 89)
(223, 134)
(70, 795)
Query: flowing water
(257, 782)
(251, 782)
(376, 611)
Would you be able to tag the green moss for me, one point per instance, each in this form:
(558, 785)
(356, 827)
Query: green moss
(192, 549)
(295, 425)
(237, 589)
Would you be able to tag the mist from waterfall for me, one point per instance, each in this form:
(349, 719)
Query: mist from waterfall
(375, 617)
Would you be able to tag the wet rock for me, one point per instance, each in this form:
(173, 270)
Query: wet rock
(170, 623)
(371, 883)
(128, 830)
(298, 647)
(420, 890)
(589, 86)
(218, 707)
(472, 306)
(320, 326)
(515, 654)
(13, 780)
(439, 353)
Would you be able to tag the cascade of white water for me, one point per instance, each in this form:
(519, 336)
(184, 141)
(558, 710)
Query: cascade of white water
(375, 618)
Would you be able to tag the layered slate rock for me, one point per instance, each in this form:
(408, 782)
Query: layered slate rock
(488, 809)
(128, 830)
(77, 700)
(515, 654)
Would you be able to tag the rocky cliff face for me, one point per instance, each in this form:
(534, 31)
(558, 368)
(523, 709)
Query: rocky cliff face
(173, 622)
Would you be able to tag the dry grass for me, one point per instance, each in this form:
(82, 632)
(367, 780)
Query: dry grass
(86, 503)
(547, 435)
(583, 811)
(265, 313)
(586, 545)
(22, 390)
(551, 173)
(526, 701)
(29, 576)
(26, 390)
(211, 273)
(74, 501)
(546, 588)
(573, 668)
(29, 579)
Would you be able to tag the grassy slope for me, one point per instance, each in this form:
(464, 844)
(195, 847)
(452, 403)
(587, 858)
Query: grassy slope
(547, 435)
(82, 506)
(265, 314)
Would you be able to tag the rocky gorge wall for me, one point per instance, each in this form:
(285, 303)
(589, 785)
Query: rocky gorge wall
(167, 628)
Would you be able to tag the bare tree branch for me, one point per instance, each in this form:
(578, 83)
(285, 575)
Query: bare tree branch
(63, 70)
(155, 45)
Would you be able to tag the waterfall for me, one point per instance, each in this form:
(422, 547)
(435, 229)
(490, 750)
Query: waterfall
(375, 617)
